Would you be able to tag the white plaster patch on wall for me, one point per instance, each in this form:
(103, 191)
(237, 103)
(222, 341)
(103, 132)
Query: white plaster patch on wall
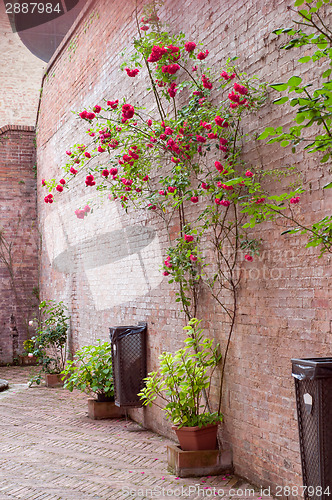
(121, 262)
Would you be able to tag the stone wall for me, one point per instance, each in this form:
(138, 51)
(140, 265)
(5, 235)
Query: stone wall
(106, 267)
(18, 238)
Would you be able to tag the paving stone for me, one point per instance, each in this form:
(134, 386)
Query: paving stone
(51, 450)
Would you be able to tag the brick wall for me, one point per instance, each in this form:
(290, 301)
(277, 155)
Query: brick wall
(20, 77)
(106, 268)
(19, 229)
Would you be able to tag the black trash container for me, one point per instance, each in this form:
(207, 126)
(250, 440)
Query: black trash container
(313, 388)
(129, 363)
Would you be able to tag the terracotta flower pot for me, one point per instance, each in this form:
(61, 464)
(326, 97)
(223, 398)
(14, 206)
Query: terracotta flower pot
(28, 360)
(53, 379)
(197, 438)
(103, 409)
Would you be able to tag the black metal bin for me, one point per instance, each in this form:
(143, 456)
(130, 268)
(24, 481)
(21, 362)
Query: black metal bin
(313, 389)
(129, 363)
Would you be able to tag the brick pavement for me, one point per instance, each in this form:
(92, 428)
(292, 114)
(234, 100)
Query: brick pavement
(51, 450)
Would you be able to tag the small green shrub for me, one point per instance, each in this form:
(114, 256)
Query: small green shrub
(91, 371)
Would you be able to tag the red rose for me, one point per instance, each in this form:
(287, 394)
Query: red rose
(188, 238)
(240, 89)
(172, 90)
(219, 121)
(218, 166)
(225, 203)
(89, 181)
(132, 72)
(157, 53)
(190, 46)
(206, 82)
(171, 69)
(79, 213)
(202, 55)
(233, 97)
(128, 111)
(113, 104)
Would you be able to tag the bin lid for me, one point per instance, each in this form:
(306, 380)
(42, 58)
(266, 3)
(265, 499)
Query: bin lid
(312, 368)
(118, 332)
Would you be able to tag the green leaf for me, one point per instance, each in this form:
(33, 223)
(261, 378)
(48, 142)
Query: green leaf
(327, 73)
(280, 87)
(286, 232)
(268, 131)
(232, 182)
(305, 59)
(281, 100)
(298, 3)
(305, 14)
(294, 81)
(328, 186)
(325, 157)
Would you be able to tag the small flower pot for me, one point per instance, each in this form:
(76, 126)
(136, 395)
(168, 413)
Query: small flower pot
(98, 410)
(53, 380)
(197, 438)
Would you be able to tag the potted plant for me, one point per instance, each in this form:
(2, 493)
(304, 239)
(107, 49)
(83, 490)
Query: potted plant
(91, 372)
(183, 383)
(27, 358)
(50, 342)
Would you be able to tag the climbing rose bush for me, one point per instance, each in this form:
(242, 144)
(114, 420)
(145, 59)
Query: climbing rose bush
(180, 160)
(183, 151)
